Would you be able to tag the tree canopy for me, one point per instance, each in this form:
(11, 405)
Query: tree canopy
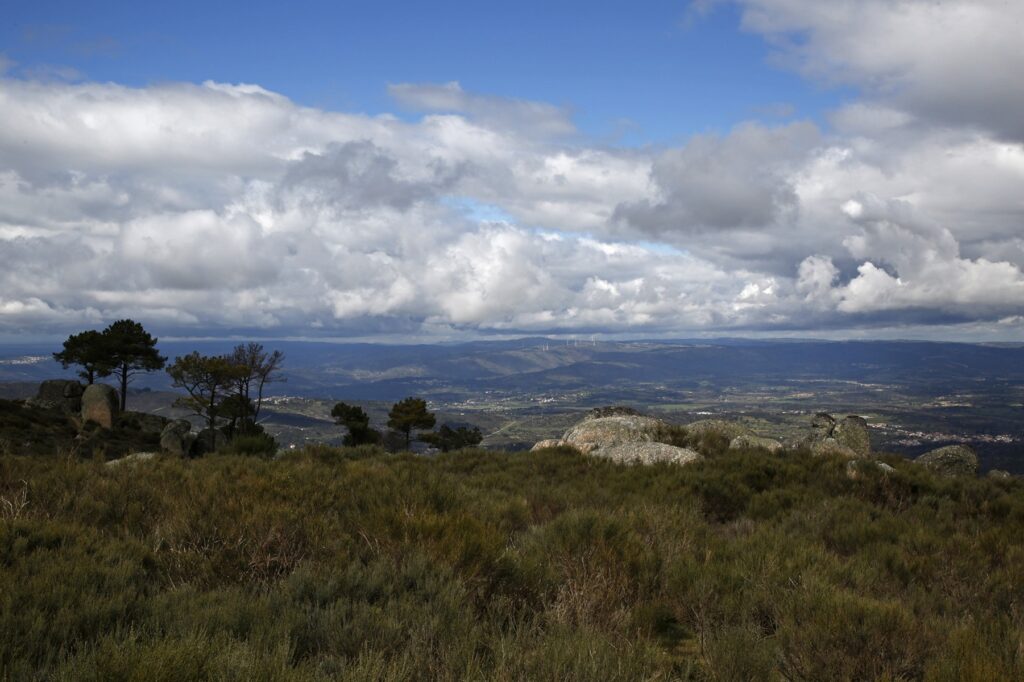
(257, 368)
(408, 414)
(355, 419)
(87, 350)
(207, 380)
(132, 350)
(123, 349)
(447, 438)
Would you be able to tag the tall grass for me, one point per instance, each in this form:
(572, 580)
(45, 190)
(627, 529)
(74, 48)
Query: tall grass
(356, 564)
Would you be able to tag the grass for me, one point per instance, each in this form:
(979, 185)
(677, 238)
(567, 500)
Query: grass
(356, 564)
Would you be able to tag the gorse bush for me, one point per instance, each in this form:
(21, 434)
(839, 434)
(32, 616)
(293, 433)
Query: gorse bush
(356, 564)
(257, 444)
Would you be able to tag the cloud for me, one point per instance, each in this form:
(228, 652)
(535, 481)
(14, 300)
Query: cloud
(218, 207)
(740, 180)
(537, 118)
(362, 175)
(956, 62)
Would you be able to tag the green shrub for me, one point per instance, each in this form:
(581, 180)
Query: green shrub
(353, 563)
(256, 444)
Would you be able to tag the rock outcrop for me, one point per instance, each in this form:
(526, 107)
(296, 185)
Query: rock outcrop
(99, 405)
(952, 460)
(856, 468)
(596, 432)
(999, 474)
(203, 445)
(848, 437)
(149, 423)
(177, 438)
(750, 441)
(647, 453)
(58, 394)
(852, 432)
(623, 437)
(829, 446)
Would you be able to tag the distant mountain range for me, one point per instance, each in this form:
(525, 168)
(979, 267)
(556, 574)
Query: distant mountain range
(536, 366)
(916, 393)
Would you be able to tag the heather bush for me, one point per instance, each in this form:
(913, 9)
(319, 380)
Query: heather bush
(353, 563)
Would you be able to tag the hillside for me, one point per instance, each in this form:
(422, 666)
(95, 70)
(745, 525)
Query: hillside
(915, 395)
(355, 564)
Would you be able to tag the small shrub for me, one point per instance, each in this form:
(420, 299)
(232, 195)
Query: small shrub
(257, 444)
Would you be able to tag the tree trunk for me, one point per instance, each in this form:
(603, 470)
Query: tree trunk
(124, 386)
(213, 419)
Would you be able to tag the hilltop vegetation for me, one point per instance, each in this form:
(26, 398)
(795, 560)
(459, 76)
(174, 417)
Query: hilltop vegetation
(356, 564)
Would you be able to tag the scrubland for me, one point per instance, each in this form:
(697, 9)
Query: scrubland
(357, 564)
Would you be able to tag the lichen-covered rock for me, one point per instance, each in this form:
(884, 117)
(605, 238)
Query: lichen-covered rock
(749, 441)
(822, 423)
(848, 437)
(830, 446)
(591, 434)
(177, 438)
(621, 436)
(723, 427)
(952, 460)
(647, 453)
(99, 405)
(60, 394)
(856, 468)
(999, 474)
(852, 432)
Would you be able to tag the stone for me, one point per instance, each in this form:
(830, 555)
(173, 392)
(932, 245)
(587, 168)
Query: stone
(99, 405)
(723, 427)
(61, 394)
(750, 441)
(852, 432)
(150, 423)
(177, 438)
(590, 434)
(622, 436)
(134, 457)
(847, 438)
(647, 453)
(823, 423)
(855, 468)
(202, 442)
(952, 460)
(830, 446)
(999, 474)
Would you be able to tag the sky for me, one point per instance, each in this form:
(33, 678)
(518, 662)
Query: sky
(850, 169)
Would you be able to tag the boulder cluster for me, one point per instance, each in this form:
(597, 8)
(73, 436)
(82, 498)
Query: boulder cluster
(847, 437)
(98, 405)
(623, 435)
(952, 460)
